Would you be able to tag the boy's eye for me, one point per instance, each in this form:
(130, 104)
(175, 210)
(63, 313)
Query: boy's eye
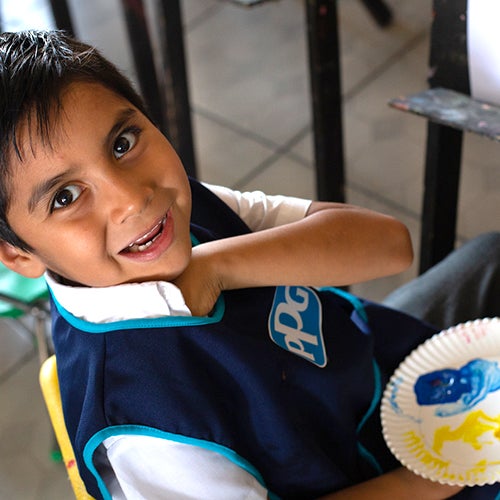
(124, 143)
(66, 196)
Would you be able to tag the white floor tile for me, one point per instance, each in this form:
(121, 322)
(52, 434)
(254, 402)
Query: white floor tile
(26, 441)
(249, 65)
(16, 344)
(225, 156)
(284, 176)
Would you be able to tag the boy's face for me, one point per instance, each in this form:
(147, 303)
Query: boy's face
(107, 202)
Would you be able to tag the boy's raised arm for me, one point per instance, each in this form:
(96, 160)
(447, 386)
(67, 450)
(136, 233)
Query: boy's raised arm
(334, 245)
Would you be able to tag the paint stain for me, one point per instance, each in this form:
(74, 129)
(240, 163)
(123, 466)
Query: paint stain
(470, 431)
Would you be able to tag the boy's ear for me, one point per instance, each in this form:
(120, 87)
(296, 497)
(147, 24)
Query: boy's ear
(20, 261)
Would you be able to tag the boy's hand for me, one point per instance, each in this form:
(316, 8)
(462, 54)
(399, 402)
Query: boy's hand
(199, 283)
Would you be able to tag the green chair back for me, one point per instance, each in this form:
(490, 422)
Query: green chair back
(17, 290)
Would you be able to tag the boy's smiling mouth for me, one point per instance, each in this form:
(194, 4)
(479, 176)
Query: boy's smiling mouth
(145, 241)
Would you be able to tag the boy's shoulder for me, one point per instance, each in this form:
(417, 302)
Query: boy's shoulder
(211, 213)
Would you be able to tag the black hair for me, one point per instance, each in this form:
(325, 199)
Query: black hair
(35, 68)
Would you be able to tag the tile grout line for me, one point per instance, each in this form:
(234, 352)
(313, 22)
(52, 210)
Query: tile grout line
(234, 127)
(384, 66)
(201, 17)
(281, 151)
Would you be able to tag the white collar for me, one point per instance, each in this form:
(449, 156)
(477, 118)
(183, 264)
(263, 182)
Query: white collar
(150, 299)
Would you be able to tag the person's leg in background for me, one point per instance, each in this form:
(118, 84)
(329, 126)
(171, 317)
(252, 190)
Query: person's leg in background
(464, 286)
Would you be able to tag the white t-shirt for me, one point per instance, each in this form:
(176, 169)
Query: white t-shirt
(144, 467)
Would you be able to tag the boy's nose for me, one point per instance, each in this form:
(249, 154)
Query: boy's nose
(127, 197)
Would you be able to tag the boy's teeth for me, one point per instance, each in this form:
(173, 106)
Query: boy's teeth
(140, 248)
(135, 247)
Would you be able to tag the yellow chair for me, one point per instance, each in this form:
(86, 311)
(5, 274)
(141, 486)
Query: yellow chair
(25, 298)
(50, 390)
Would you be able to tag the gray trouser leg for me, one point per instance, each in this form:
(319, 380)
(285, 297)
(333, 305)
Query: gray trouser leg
(463, 286)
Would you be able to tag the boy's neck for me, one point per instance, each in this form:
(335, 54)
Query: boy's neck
(64, 281)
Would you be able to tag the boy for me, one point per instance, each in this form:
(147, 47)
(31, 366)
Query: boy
(164, 301)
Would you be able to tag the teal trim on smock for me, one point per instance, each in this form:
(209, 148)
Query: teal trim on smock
(139, 430)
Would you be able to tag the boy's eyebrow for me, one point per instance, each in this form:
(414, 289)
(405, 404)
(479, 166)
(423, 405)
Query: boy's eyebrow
(122, 117)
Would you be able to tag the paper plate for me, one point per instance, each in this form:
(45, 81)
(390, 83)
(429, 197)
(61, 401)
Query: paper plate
(441, 408)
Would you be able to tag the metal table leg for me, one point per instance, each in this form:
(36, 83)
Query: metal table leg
(442, 174)
(326, 97)
(164, 87)
(62, 16)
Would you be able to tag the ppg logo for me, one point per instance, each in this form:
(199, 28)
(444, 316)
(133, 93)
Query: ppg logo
(295, 323)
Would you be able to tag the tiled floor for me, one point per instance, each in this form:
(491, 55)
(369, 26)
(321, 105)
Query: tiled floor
(249, 93)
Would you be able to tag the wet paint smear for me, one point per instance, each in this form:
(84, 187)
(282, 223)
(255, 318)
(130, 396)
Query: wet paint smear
(470, 431)
(458, 390)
